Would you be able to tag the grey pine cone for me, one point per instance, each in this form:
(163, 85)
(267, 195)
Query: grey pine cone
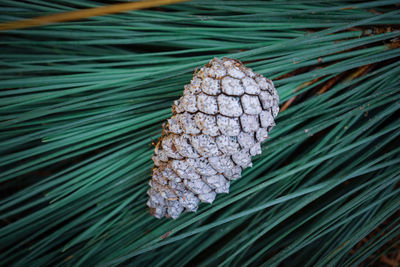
(221, 120)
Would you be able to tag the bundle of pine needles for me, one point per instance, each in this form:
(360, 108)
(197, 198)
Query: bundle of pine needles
(81, 102)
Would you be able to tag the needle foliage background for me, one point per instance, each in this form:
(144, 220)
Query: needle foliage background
(81, 103)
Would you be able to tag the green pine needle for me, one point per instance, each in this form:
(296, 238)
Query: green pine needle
(82, 101)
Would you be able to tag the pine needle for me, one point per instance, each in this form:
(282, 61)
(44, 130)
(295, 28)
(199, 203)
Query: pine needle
(84, 14)
(82, 101)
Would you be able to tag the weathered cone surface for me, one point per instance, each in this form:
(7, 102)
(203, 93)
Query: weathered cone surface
(221, 120)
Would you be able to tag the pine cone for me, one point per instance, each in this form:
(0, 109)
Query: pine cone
(221, 120)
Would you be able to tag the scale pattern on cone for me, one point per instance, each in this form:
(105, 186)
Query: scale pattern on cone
(218, 124)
